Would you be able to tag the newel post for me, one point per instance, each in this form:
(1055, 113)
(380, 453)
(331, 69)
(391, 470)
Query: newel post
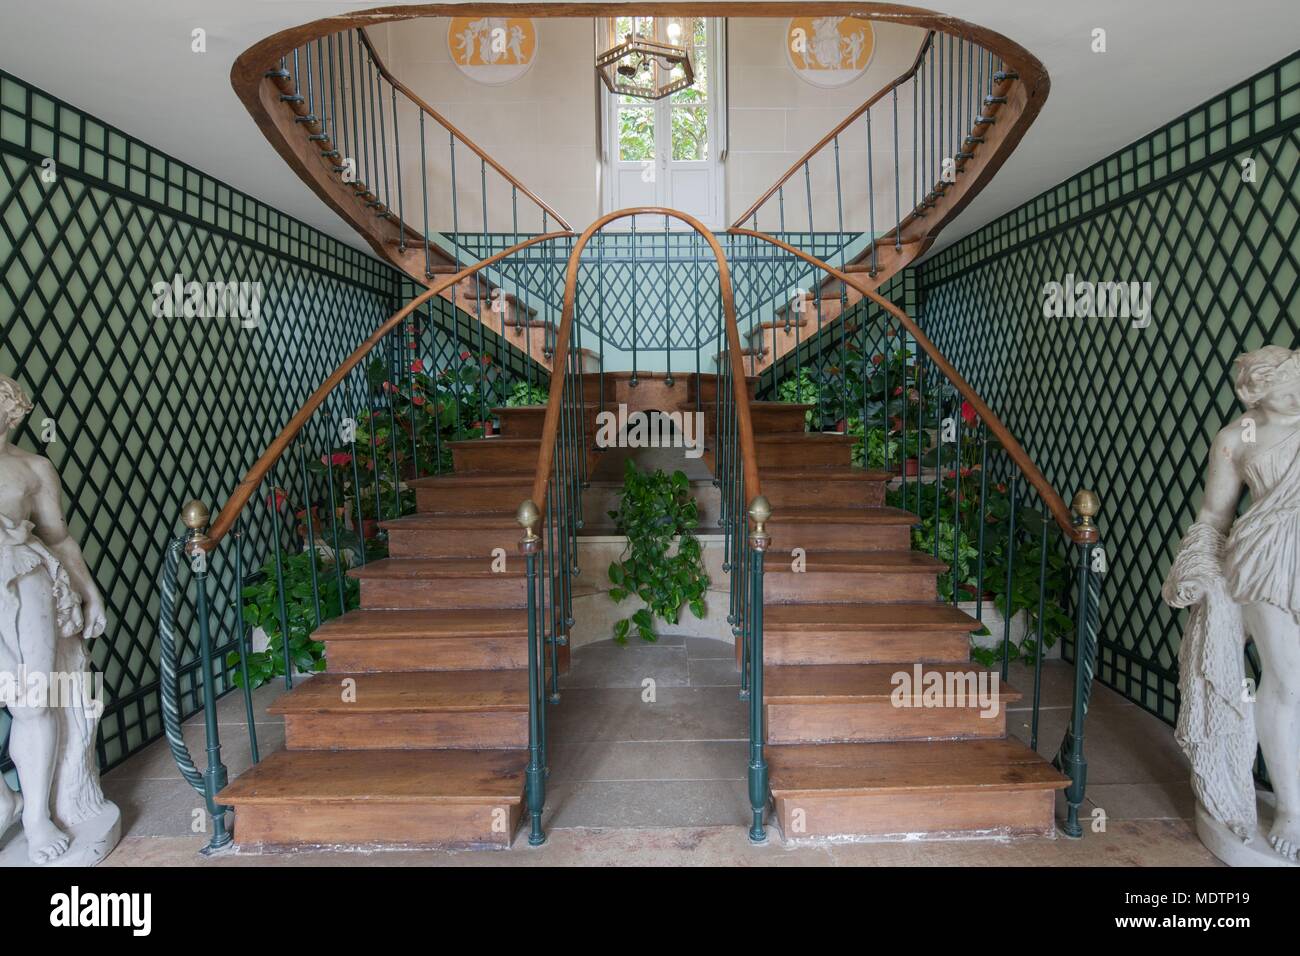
(759, 513)
(530, 545)
(1070, 759)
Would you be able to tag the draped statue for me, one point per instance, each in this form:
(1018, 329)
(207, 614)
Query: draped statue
(1240, 576)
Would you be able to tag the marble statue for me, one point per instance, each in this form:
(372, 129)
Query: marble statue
(49, 608)
(1240, 576)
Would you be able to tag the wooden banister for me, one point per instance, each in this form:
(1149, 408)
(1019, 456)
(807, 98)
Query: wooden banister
(839, 128)
(244, 490)
(744, 423)
(449, 127)
(1055, 503)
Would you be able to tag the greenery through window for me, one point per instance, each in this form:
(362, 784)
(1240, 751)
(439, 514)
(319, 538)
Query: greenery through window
(688, 108)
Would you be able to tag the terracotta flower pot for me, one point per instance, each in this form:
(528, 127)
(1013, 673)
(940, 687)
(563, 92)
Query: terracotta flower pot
(911, 468)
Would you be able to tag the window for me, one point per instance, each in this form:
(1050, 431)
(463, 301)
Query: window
(665, 152)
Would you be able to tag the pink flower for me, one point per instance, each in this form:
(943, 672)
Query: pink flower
(968, 413)
(339, 459)
(417, 365)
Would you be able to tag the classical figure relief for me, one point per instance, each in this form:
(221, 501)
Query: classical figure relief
(49, 609)
(1240, 576)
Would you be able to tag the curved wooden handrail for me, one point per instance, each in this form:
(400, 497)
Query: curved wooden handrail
(1055, 503)
(449, 127)
(255, 476)
(839, 128)
(744, 420)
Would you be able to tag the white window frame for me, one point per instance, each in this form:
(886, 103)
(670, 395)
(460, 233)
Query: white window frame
(717, 129)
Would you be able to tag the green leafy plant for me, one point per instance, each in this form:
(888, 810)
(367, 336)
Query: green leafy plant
(525, 393)
(801, 389)
(261, 608)
(663, 563)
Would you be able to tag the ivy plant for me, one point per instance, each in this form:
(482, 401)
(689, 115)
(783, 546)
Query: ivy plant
(656, 511)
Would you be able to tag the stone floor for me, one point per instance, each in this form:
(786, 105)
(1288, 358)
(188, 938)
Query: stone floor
(654, 774)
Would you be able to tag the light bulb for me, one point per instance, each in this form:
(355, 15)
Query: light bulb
(674, 31)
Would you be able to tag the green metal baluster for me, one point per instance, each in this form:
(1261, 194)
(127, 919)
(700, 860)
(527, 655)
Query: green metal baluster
(535, 776)
(759, 512)
(276, 541)
(1011, 560)
(238, 602)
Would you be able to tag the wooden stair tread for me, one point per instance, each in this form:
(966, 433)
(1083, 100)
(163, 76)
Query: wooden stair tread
(446, 520)
(902, 766)
(859, 562)
(421, 624)
(830, 683)
(409, 692)
(787, 438)
(433, 568)
(866, 514)
(863, 617)
(388, 776)
(461, 479)
(497, 440)
(825, 473)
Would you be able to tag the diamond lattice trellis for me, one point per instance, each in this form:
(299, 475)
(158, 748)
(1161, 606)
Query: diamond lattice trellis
(150, 412)
(1130, 411)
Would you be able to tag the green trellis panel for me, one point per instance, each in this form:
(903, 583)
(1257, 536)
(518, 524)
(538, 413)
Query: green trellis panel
(1130, 412)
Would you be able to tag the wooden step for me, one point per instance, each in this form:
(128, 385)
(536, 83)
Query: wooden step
(828, 528)
(471, 491)
(438, 798)
(905, 788)
(495, 454)
(365, 640)
(706, 386)
(476, 710)
(468, 535)
(865, 633)
(412, 583)
(527, 421)
(831, 577)
(802, 449)
(767, 417)
(835, 487)
(871, 702)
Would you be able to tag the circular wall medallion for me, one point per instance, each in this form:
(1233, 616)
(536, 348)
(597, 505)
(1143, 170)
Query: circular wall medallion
(492, 50)
(829, 51)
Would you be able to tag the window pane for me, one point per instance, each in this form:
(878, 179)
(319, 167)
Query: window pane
(690, 132)
(636, 133)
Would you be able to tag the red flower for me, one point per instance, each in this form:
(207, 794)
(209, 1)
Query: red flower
(280, 495)
(464, 356)
(1002, 487)
(389, 387)
(339, 459)
(418, 400)
(487, 360)
(898, 390)
(877, 359)
(965, 472)
(417, 365)
(968, 413)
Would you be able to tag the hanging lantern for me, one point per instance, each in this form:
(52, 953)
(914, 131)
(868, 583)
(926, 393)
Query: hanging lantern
(643, 66)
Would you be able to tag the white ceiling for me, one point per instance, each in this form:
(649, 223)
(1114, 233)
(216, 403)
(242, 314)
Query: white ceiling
(129, 63)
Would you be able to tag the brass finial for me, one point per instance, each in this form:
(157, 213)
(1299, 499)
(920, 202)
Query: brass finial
(529, 516)
(1086, 504)
(759, 512)
(195, 515)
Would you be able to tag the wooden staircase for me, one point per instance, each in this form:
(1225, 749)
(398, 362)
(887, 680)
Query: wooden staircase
(417, 733)
(862, 608)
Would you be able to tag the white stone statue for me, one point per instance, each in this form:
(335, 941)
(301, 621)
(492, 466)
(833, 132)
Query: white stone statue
(1241, 579)
(49, 609)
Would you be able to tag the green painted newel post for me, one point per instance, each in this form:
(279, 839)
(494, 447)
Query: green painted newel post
(196, 518)
(1092, 565)
(759, 512)
(530, 545)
